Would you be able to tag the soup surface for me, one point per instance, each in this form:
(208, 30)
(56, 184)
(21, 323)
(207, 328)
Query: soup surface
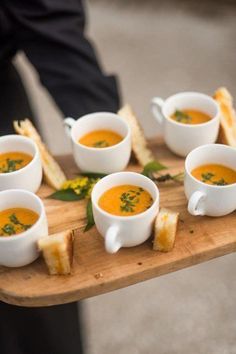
(13, 161)
(190, 116)
(16, 220)
(214, 174)
(100, 139)
(125, 200)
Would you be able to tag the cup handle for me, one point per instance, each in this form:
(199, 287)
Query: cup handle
(195, 203)
(156, 107)
(68, 124)
(112, 242)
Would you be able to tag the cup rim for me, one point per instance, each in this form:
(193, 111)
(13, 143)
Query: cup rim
(27, 140)
(191, 93)
(113, 116)
(197, 180)
(130, 217)
(32, 228)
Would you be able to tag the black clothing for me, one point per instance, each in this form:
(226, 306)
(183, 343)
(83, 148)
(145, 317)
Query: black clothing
(44, 330)
(51, 34)
(14, 103)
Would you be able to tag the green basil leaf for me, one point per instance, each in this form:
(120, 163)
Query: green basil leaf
(93, 174)
(67, 195)
(151, 167)
(90, 219)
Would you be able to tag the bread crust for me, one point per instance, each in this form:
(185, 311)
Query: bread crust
(57, 251)
(53, 173)
(139, 143)
(165, 229)
(227, 133)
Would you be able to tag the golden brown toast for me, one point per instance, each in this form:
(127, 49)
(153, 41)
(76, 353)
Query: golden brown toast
(165, 230)
(139, 143)
(227, 134)
(57, 250)
(53, 173)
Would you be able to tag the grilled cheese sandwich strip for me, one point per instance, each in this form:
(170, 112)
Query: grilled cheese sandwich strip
(227, 134)
(139, 143)
(165, 229)
(57, 251)
(53, 173)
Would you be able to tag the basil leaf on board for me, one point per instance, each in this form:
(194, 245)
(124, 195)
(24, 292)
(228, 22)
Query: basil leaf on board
(151, 167)
(67, 195)
(168, 177)
(90, 219)
(93, 174)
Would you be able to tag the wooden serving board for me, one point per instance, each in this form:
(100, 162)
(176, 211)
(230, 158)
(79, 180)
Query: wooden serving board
(96, 272)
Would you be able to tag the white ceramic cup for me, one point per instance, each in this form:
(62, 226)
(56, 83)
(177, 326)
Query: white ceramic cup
(124, 231)
(28, 177)
(20, 250)
(183, 138)
(106, 160)
(205, 199)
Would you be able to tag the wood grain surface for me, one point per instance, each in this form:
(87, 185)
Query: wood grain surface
(96, 272)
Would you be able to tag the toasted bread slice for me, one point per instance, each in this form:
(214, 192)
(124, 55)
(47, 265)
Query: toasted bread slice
(53, 173)
(57, 250)
(139, 143)
(227, 133)
(165, 230)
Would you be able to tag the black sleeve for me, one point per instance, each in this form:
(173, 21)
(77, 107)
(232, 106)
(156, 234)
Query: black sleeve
(51, 33)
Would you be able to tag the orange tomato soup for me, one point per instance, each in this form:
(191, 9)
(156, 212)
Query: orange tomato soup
(100, 139)
(14, 221)
(13, 161)
(125, 200)
(215, 174)
(190, 116)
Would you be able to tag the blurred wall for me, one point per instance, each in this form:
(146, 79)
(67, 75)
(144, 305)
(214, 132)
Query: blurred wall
(156, 48)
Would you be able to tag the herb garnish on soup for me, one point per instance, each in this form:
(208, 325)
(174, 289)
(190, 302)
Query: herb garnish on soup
(13, 161)
(190, 116)
(125, 200)
(215, 174)
(100, 139)
(14, 221)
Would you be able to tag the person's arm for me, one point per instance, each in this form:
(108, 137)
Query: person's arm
(51, 33)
